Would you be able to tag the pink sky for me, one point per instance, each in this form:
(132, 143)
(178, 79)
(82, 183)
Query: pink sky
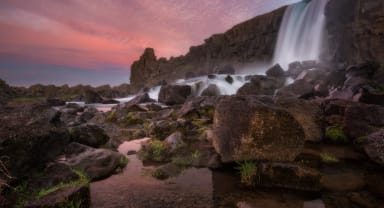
(95, 41)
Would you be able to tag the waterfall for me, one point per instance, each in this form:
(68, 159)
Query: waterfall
(300, 34)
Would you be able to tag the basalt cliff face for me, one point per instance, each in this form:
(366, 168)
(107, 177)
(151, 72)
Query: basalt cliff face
(250, 41)
(355, 31)
(354, 34)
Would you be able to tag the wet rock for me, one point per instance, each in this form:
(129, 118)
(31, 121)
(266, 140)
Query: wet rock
(211, 90)
(95, 163)
(174, 94)
(260, 85)
(89, 134)
(309, 64)
(247, 129)
(195, 106)
(288, 176)
(88, 114)
(298, 89)
(189, 75)
(141, 98)
(294, 69)
(175, 141)
(163, 128)
(370, 97)
(110, 101)
(131, 152)
(374, 146)
(166, 171)
(229, 79)
(226, 69)
(211, 76)
(63, 198)
(275, 71)
(348, 181)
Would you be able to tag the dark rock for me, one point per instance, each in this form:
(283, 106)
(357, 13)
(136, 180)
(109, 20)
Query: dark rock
(275, 71)
(211, 76)
(288, 176)
(260, 85)
(189, 75)
(294, 69)
(141, 98)
(247, 129)
(74, 106)
(226, 69)
(166, 171)
(362, 119)
(88, 114)
(55, 102)
(63, 197)
(374, 146)
(91, 96)
(211, 90)
(131, 152)
(309, 64)
(174, 94)
(95, 163)
(369, 97)
(299, 89)
(229, 79)
(194, 105)
(163, 128)
(30, 136)
(89, 134)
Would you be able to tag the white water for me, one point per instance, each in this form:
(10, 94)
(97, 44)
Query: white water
(300, 33)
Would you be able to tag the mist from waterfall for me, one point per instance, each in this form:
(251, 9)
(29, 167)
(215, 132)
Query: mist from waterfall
(301, 32)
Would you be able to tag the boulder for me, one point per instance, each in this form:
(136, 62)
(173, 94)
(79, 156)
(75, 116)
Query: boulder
(64, 197)
(162, 128)
(374, 146)
(211, 90)
(275, 71)
(95, 163)
(247, 129)
(31, 136)
(174, 94)
(174, 141)
(55, 102)
(362, 119)
(299, 89)
(89, 134)
(260, 85)
(229, 79)
(294, 69)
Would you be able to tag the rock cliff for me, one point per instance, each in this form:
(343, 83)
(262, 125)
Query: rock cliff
(247, 42)
(355, 31)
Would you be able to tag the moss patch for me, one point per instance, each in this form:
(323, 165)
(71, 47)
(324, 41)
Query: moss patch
(336, 134)
(326, 158)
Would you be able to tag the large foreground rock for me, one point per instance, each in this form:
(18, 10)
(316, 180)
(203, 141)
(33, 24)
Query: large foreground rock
(95, 163)
(248, 129)
(30, 136)
(89, 134)
(374, 147)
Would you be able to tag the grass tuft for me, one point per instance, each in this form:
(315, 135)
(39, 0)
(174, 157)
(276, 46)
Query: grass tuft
(247, 171)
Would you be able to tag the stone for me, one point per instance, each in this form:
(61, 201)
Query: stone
(89, 134)
(174, 94)
(247, 129)
(289, 176)
(294, 69)
(374, 147)
(299, 89)
(174, 141)
(211, 90)
(162, 128)
(260, 85)
(30, 136)
(166, 171)
(275, 71)
(55, 102)
(95, 163)
(79, 194)
(229, 79)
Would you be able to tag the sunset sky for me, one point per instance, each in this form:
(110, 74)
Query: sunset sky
(95, 41)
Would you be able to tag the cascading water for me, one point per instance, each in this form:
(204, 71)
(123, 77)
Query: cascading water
(300, 34)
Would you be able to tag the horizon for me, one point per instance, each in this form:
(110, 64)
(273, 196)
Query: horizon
(97, 43)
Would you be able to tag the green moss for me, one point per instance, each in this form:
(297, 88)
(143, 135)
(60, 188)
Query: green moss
(156, 151)
(122, 163)
(131, 119)
(147, 128)
(336, 134)
(196, 154)
(182, 160)
(326, 158)
(111, 117)
(247, 171)
(83, 180)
